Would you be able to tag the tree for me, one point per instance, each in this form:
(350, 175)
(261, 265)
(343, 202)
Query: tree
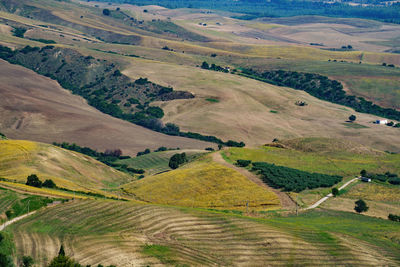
(335, 192)
(33, 180)
(352, 118)
(1, 237)
(363, 173)
(106, 12)
(63, 261)
(49, 184)
(205, 65)
(177, 160)
(27, 261)
(361, 206)
(219, 146)
(61, 252)
(6, 261)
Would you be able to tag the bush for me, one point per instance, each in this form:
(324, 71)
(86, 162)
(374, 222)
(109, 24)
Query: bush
(146, 151)
(243, 163)
(49, 184)
(34, 181)
(177, 160)
(155, 112)
(361, 206)
(19, 32)
(27, 261)
(106, 12)
(352, 118)
(395, 218)
(292, 179)
(209, 149)
(335, 192)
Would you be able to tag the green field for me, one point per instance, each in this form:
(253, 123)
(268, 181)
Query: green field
(157, 162)
(342, 163)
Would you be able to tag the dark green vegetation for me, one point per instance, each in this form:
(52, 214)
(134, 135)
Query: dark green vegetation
(243, 162)
(283, 8)
(2, 136)
(387, 177)
(393, 217)
(361, 206)
(214, 67)
(19, 32)
(34, 181)
(323, 88)
(176, 160)
(292, 179)
(335, 192)
(109, 157)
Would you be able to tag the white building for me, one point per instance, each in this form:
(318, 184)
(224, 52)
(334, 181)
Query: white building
(382, 122)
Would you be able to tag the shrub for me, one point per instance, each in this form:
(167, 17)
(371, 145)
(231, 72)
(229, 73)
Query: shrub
(146, 151)
(106, 12)
(243, 163)
(34, 181)
(155, 112)
(335, 192)
(209, 149)
(394, 180)
(49, 184)
(27, 261)
(19, 32)
(9, 214)
(352, 118)
(177, 160)
(395, 218)
(361, 206)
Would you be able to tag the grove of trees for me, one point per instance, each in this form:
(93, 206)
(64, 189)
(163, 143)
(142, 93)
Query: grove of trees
(292, 179)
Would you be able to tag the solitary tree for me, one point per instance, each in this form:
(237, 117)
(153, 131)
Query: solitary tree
(335, 191)
(361, 206)
(352, 118)
(49, 184)
(61, 252)
(106, 12)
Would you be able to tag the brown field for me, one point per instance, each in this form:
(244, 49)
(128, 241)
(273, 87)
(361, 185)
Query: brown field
(36, 108)
(244, 109)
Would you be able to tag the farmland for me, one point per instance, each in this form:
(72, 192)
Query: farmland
(157, 162)
(71, 170)
(137, 233)
(203, 183)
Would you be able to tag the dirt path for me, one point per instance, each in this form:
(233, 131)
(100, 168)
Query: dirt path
(325, 198)
(285, 200)
(16, 219)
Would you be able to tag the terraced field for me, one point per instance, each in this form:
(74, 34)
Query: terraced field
(203, 183)
(108, 232)
(157, 162)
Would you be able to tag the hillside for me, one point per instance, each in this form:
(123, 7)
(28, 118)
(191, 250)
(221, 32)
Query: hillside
(104, 232)
(19, 159)
(203, 183)
(38, 109)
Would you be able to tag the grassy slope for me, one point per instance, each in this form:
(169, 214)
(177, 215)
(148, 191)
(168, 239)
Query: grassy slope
(255, 99)
(67, 169)
(157, 162)
(146, 235)
(203, 183)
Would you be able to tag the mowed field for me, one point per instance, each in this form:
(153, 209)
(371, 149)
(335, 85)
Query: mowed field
(109, 232)
(36, 108)
(206, 184)
(157, 162)
(255, 112)
(19, 159)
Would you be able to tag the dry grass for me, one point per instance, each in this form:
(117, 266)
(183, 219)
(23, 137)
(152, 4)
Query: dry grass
(19, 159)
(104, 232)
(203, 184)
(37, 108)
(243, 112)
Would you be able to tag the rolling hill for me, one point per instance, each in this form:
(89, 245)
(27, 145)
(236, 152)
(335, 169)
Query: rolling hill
(67, 169)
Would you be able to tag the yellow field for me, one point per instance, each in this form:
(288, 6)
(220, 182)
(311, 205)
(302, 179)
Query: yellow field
(19, 159)
(375, 192)
(203, 184)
